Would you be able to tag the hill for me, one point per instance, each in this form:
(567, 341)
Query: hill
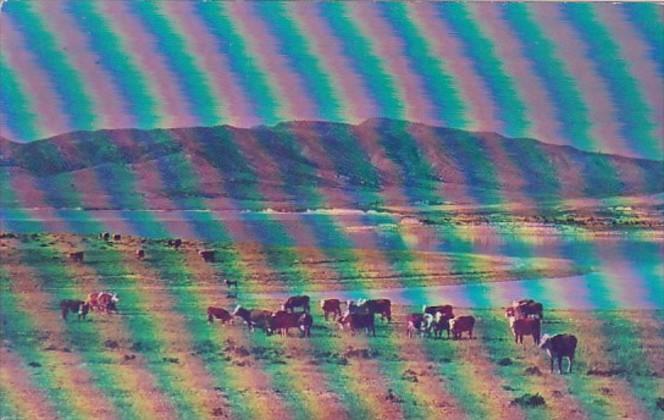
(309, 164)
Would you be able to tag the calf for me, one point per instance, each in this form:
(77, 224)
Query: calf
(526, 326)
(207, 255)
(358, 321)
(140, 254)
(461, 324)
(219, 313)
(331, 306)
(78, 307)
(296, 302)
(559, 346)
(76, 256)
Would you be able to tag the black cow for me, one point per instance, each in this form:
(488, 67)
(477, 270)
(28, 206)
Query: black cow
(76, 306)
(559, 346)
(359, 321)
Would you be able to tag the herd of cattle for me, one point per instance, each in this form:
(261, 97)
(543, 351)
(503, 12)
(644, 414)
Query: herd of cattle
(524, 318)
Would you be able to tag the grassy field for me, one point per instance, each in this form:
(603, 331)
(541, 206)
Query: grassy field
(159, 358)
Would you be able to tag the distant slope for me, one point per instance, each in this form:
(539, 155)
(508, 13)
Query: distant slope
(306, 163)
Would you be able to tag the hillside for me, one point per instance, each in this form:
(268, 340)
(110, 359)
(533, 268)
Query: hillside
(307, 164)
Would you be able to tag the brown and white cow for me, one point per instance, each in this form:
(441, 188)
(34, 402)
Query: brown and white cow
(219, 313)
(331, 306)
(359, 321)
(103, 302)
(76, 256)
(441, 322)
(527, 326)
(207, 255)
(76, 306)
(421, 323)
(461, 324)
(296, 302)
(559, 346)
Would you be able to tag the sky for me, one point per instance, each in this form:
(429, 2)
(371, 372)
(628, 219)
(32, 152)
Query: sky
(586, 75)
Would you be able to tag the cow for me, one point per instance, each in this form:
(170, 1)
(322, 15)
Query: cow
(377, 306)
(421, 323)
(461, 324)
(331, 306)
(559, 346)
(446, 310)
(527, 326)
(175, 243)
(441, 322)
(296, 302)
(306, 321)
(76, 256)
(253, 317)
(76, 306)
(230, 283)
(207, 255)
(526, 308)
(117, 237)
(103, 302)
(105, 236)
(359, 321)
(219, 313)
(140, 254)
(282, 321)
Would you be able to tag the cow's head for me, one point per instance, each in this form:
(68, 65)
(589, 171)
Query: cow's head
(115, 298)
(452, 323)
(545, 342)
(427, 320)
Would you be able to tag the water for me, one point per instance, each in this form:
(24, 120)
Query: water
(626, 269)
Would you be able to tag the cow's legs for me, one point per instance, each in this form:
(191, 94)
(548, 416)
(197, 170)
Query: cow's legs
(571, 361)
(560, 364)
(552, 358)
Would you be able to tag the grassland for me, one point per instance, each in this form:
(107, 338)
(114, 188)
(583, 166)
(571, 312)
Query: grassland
(159, 358)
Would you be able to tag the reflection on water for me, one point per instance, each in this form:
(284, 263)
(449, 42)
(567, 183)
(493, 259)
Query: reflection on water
(627, 268)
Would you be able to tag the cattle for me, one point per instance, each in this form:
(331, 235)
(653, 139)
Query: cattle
(282, 321)
(254, 317)
(441, 322)
(296, 302)
(105, 236)
(377, 306)
(559, 346)
(421, 323)
(526, 326)
(331, 306)
(230, 283)
(103, 302)
(175, 243)
(526, 308)
(76, 306)
(461, 324)
(306, 321)
(117, 237)
(76, 256)
(446, 310)
(140, 254)
(207, 255)
(359, 321)
(219, 313)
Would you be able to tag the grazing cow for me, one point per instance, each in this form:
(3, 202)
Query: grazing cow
(377, 306)
(461, 324)
(253, 317)
(526, 326)
(230, 283)
(331, 306)
(207, 255)
(76, 256)
(559, 346)
(175, 243)
(140, 254)
(306, 321)
(220, 313)
(359, 321)
(117, 237)
(419, 322)
(103, 302)
(78, 307)
(446, 310)
(105, 236)
(526, 308)
(296, 302)
(441, 322)
(282, 321)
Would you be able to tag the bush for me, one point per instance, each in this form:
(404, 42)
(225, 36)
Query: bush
(529, 400)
